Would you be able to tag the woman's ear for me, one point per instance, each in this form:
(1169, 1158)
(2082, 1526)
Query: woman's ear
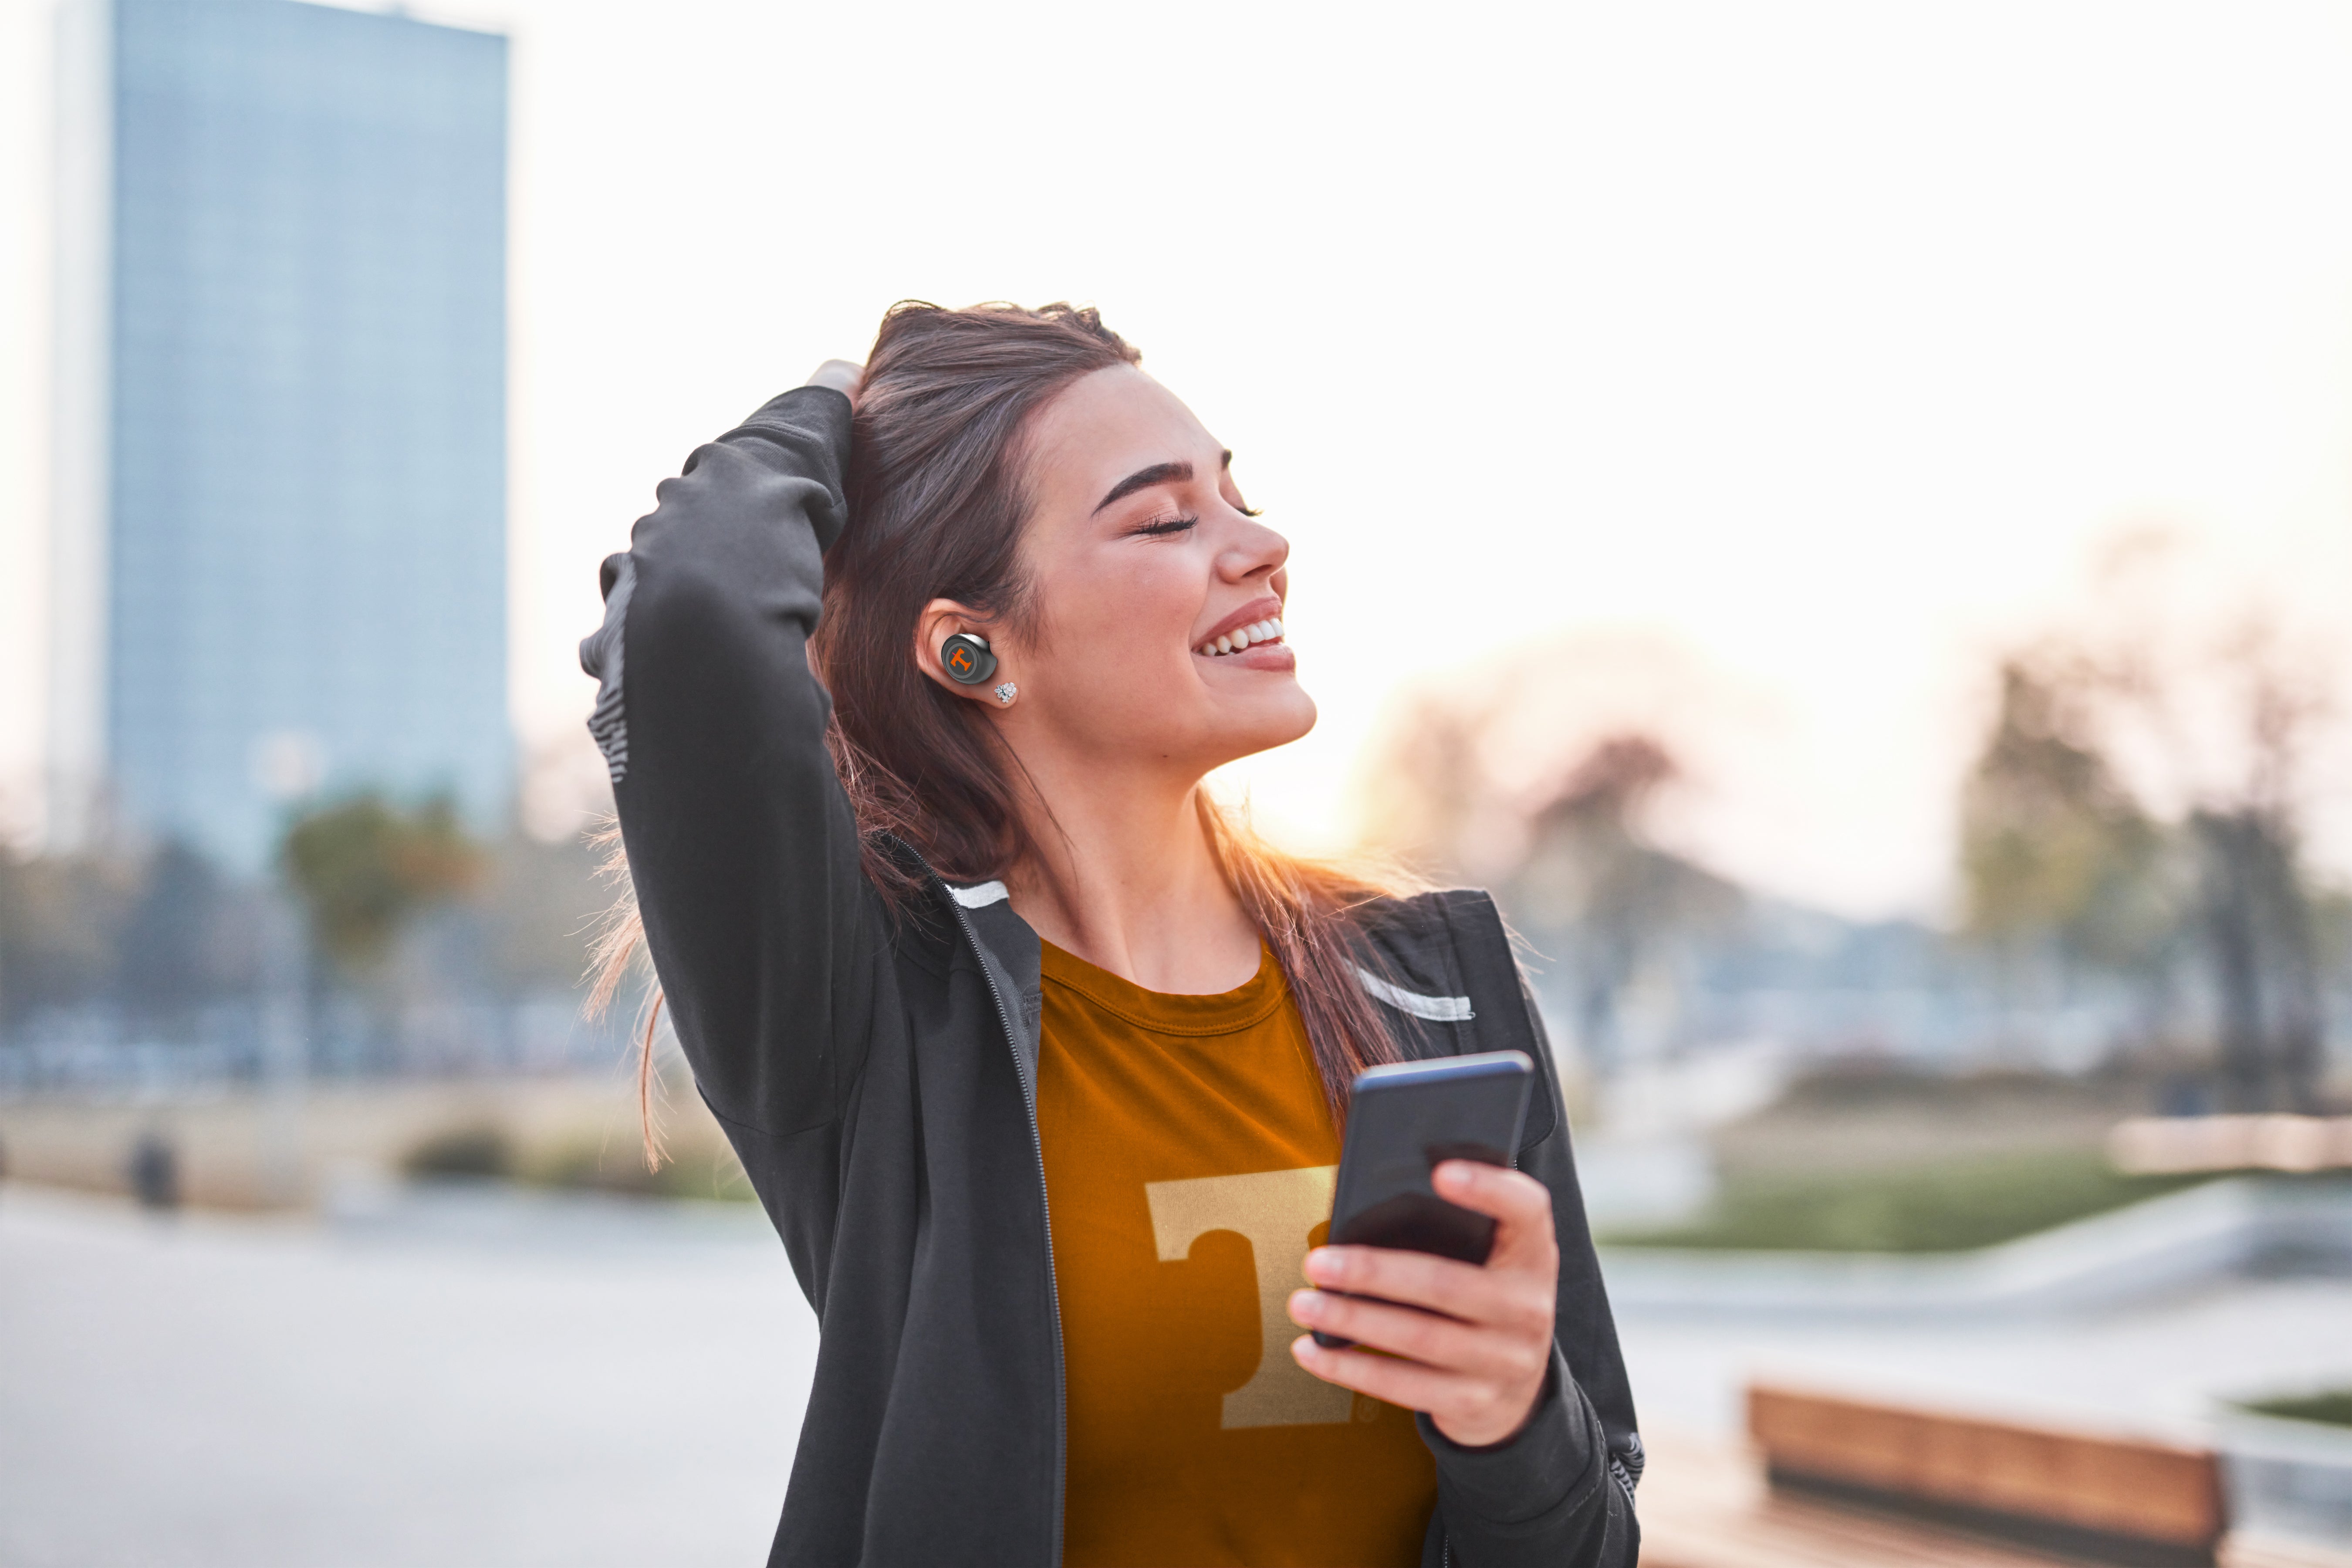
(947, 630)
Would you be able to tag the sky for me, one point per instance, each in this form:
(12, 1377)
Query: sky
(1811, 354)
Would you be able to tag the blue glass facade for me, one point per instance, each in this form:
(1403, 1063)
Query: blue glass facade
(305, 580)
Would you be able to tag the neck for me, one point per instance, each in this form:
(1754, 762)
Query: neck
(1125, 879)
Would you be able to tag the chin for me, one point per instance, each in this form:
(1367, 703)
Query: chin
(1274, 719)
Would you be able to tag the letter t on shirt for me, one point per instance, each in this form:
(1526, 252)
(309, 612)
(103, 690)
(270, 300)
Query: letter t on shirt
(1190, 1160)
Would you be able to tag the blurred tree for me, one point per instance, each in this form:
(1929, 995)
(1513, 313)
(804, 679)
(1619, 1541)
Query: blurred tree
(423, 926)
(1615, 903)
(2256, 920)
(2053, 848)
(540, 903)
(1570, 858)
(2257, 905)
(365, 868)
(2058, 849)
(59, 918)
(1428, 787)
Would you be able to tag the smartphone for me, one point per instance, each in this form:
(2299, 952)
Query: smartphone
(1403, 1120)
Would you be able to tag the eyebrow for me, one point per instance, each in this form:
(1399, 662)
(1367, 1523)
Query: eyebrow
(1157, 474)
(1144, 479)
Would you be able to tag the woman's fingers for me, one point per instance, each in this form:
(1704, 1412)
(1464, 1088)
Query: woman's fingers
(1474, 1411)
(1520, 1205)
(1517, 1297)
(845, 376)
(1415, 1278)
(1448, 1344)
(1468, 1343)
(1400, 1382)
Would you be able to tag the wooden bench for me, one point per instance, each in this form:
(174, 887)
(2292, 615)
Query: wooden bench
(2095, 1499)
(1707, 1505)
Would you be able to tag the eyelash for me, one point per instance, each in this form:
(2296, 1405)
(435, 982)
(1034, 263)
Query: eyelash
(1167, 525)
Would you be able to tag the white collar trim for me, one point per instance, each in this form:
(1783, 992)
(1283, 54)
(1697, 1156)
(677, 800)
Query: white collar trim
(1439, 1009)
(981, 897)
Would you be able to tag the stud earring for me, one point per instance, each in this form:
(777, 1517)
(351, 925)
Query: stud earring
(1006, 693)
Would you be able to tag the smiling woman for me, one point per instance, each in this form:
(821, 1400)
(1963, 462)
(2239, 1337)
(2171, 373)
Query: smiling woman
(1036, 1057)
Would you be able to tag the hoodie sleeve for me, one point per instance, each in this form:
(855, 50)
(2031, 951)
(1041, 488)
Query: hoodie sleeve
(1554, 1494)
(741, 844)
(1559, 1492)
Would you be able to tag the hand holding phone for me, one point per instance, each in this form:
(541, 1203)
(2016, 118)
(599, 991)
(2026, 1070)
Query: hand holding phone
(1403, 1121)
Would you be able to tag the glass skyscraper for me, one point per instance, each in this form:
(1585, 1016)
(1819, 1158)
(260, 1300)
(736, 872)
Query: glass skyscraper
(281, 533)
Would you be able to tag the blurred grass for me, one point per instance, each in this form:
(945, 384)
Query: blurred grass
(2331, 1409)
(1952, 1205)
(695, 1169)
(698, 1167)
(477, 1150)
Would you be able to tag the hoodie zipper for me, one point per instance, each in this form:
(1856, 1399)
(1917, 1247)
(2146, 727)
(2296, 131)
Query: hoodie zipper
(1045, 1211)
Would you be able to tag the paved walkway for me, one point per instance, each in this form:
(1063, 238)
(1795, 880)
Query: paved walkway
(251, 1394)
(500, 1381)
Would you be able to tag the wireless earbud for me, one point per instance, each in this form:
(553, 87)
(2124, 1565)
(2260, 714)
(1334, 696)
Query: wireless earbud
(966, 658)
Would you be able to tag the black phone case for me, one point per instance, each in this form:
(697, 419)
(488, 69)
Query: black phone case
(1402, 1121)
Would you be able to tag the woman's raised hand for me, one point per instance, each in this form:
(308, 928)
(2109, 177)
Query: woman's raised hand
(1468, 1344)
(845, 376)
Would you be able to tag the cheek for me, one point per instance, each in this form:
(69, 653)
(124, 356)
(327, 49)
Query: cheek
(1114, 626)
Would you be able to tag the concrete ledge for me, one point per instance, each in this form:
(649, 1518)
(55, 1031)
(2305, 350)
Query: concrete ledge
(2288, 1478)
(2220, 1229)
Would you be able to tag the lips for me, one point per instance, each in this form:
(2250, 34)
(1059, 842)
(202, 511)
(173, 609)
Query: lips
(1257, 623)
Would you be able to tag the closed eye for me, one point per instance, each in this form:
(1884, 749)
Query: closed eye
(1161, 527)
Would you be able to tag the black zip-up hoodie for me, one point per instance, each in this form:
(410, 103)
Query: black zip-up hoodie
(876, 1074)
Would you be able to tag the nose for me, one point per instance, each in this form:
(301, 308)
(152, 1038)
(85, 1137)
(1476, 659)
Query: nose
(1256, 551)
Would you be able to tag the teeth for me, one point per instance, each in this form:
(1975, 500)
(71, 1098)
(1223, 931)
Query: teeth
(1267, 630)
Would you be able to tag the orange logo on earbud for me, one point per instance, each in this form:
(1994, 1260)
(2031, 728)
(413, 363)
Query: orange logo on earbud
(959, 660)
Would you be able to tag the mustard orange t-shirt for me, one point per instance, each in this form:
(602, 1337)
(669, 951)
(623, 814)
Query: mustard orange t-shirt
(1189, 1167)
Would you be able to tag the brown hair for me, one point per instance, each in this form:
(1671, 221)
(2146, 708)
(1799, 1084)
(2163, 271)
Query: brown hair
(937, 502)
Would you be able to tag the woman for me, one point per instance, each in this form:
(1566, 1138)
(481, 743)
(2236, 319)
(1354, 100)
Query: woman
(1038, 1061)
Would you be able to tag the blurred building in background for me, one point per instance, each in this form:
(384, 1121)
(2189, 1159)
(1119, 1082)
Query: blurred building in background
(280, 546)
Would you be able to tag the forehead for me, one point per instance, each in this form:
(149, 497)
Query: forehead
(1104, 427)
